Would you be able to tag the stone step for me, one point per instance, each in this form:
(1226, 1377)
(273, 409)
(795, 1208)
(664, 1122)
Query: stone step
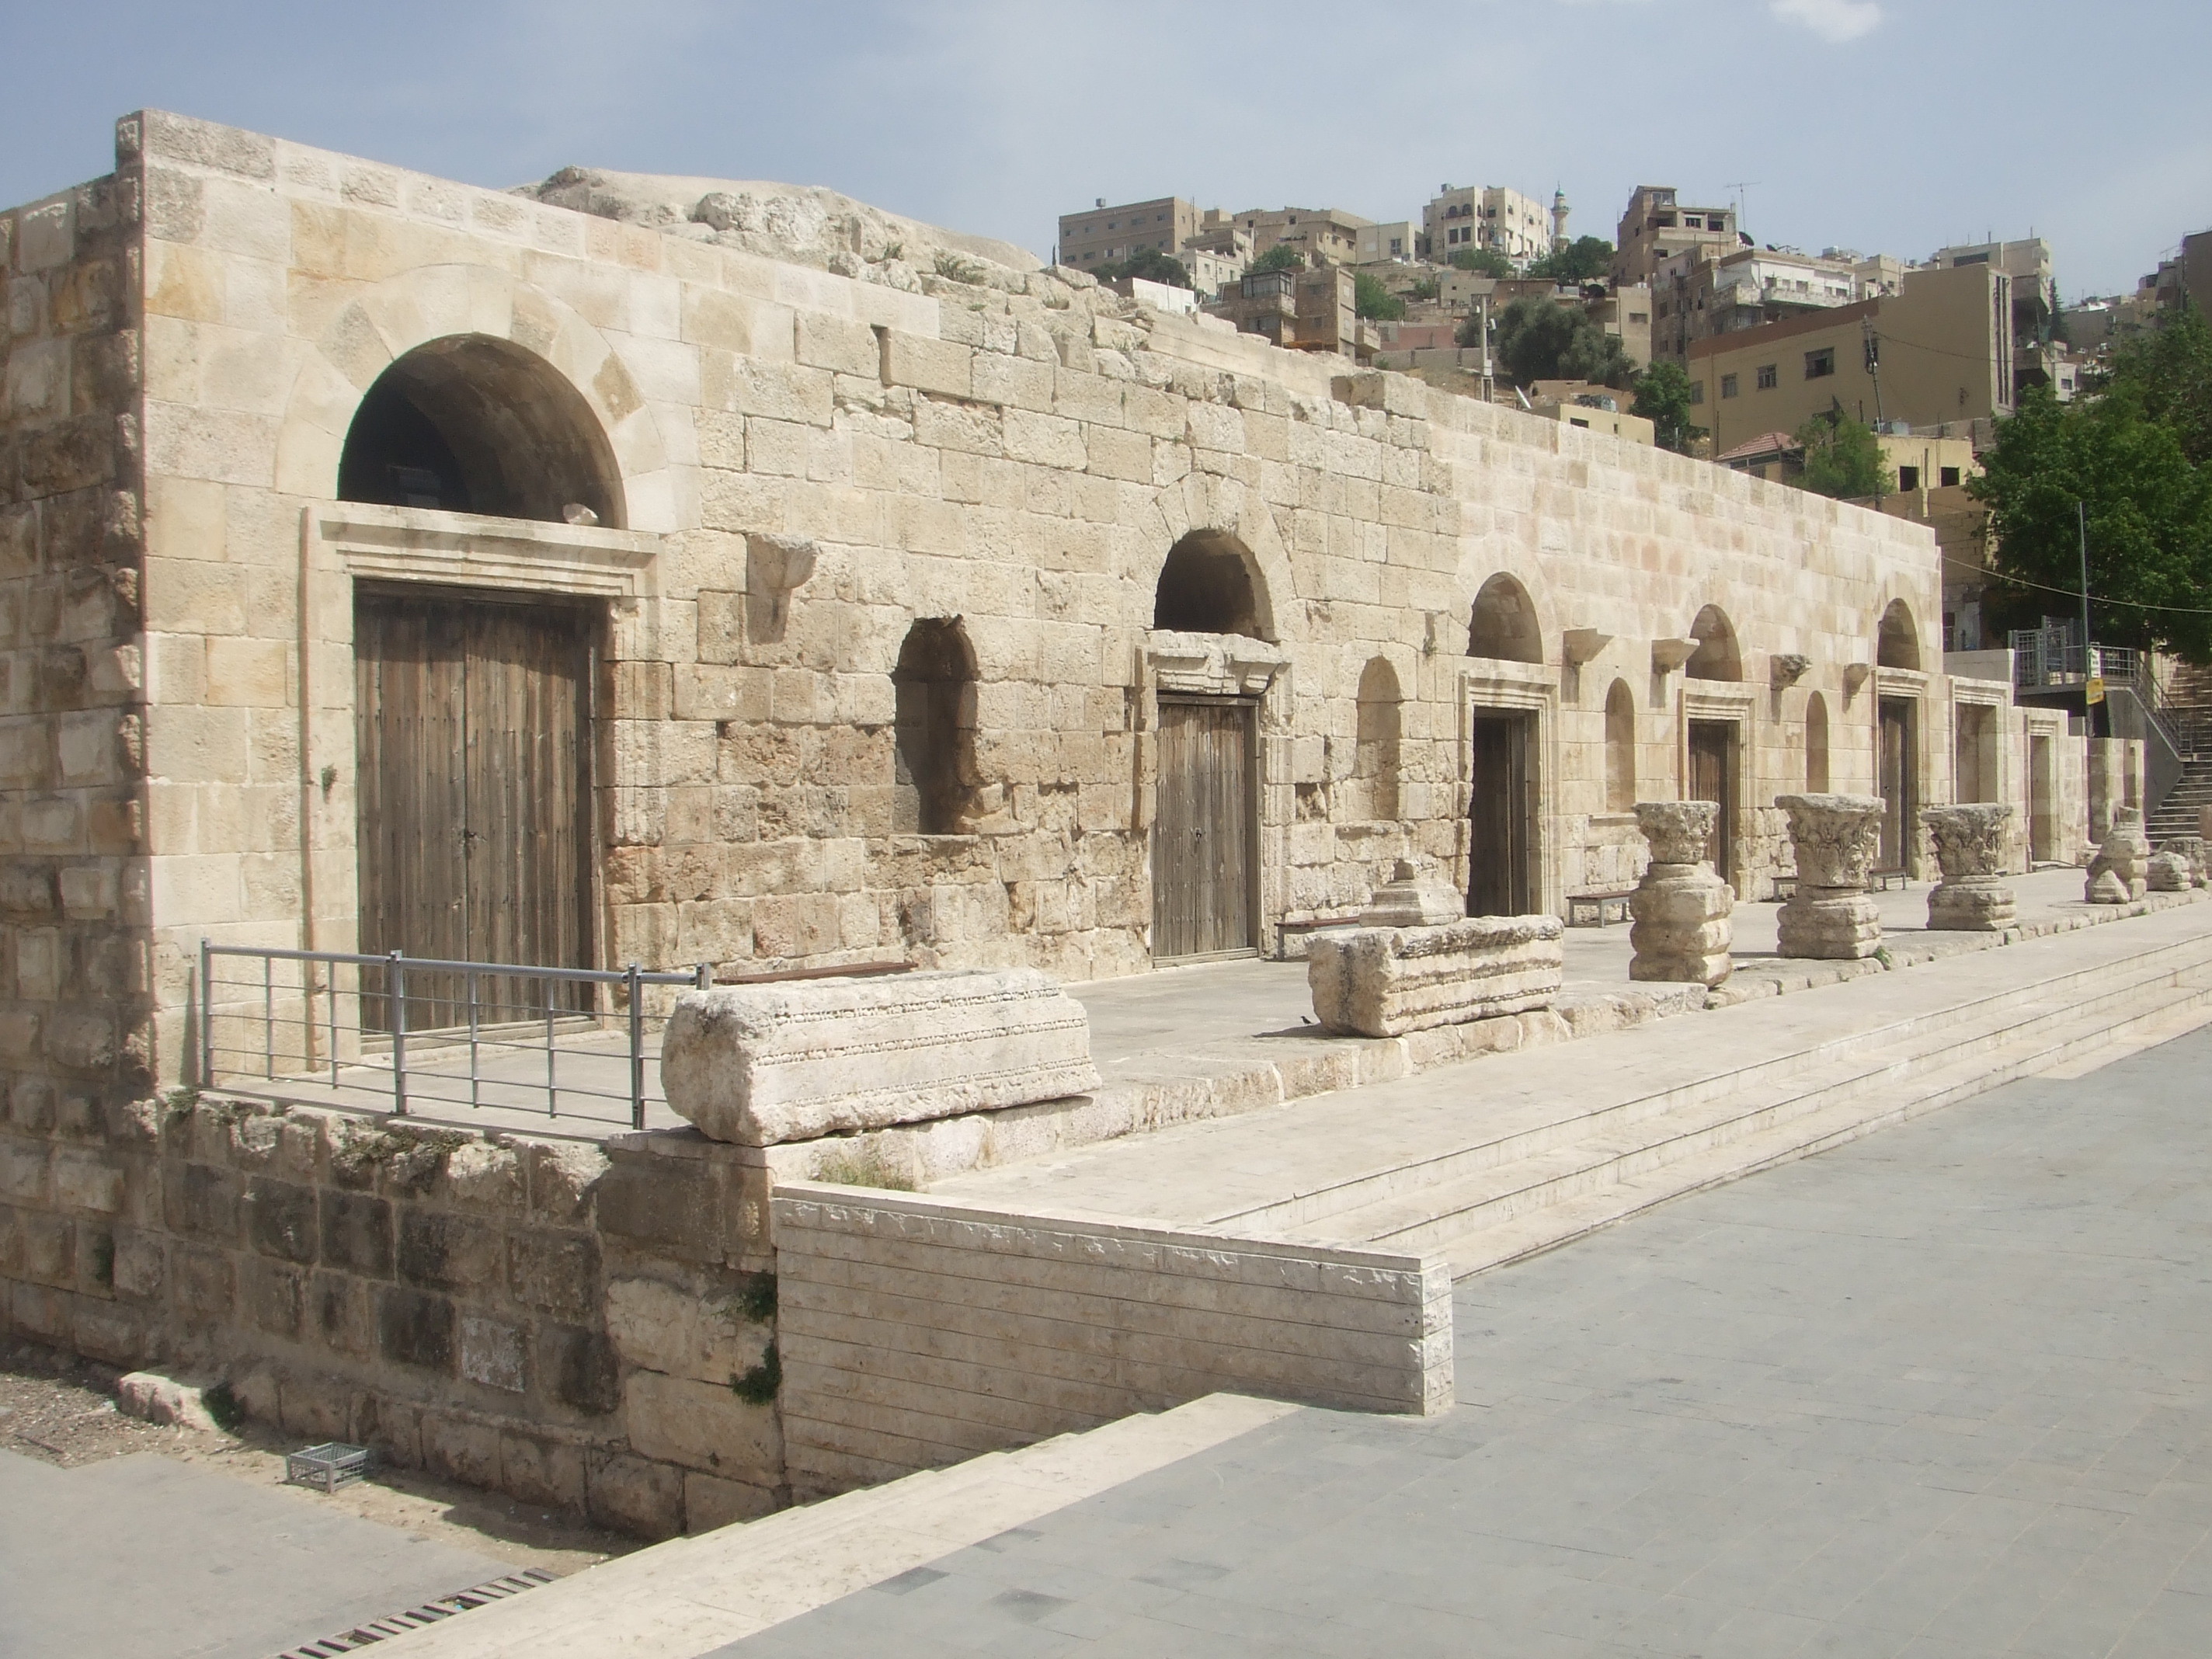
(1621, 1088)
(2059, 1047)
(1601, 1149)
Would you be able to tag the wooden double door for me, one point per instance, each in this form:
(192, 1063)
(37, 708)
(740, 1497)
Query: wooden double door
(1502, 801)
(472, 721)
(1205, 841)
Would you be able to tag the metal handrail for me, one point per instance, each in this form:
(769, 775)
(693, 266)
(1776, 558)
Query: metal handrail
(633, 978)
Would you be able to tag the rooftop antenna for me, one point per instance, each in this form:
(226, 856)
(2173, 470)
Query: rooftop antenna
(1742, 189)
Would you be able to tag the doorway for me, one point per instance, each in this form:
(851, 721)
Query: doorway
(1502, 846)
(1204, 861)
(2042, 804)
(472, 718)
(1894, 738)
(1713, 777)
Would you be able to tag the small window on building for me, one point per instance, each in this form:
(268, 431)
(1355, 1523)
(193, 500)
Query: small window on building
(1949, 476)
(1908, 477)
(1691, 221)
(1770, 376)
(1638, 316)
(1821, 364)
(1697, 391)
(1728, 386)
(1571, 420)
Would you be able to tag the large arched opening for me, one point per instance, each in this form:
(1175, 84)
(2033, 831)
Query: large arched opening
(933, 690)
(473, 425)
(1717, 657)
(1211, 584)
(1897, 642)
(1503, 626)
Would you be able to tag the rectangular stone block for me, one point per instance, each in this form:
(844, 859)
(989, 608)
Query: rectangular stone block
(766, 1064)
(1386, 982)
(701, 1425)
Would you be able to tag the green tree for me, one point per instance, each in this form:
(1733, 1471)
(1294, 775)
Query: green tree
(2148, 509)
(1663, 397)
(2165, 375)
(1281, 257)
(1427, 289)
(1374, 302)
(1482, 261)
(1149, 263)
(1843, 458)
(1585, 259)
(1538, 339)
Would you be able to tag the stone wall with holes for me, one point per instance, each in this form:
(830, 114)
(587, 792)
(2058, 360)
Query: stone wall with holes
(73, 899)
(588, 1327)
(809, 455)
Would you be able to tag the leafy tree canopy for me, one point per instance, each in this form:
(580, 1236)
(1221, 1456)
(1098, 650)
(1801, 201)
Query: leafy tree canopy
(2166, 375)
(1843, 458)
(1427, 289)
(1663, 397)
(1281, 257)
(1373, 300)
(2149, 510)
(1482, 261)
(1585, 259)
(1540, 340)
(1149, 263)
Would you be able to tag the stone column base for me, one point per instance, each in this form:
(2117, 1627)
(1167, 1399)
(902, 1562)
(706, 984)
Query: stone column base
(1971, 906)
(1684, 925)
(1836, 924)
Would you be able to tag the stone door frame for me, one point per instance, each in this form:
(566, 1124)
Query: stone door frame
(1727, 702)
(1495, 685)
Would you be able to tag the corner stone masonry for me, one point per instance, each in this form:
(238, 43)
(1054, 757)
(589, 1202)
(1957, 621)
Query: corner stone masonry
(1969, 840)
(766, 1064)
(1830, 916)
(1683, 912)
(1386, 982)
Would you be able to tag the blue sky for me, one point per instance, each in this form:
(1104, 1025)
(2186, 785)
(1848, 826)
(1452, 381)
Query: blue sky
(1881, 124)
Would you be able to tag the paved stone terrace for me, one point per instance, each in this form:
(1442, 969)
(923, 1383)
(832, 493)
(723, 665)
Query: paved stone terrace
(1945, 1392)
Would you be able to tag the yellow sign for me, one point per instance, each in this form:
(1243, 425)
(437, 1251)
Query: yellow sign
(2096, 688)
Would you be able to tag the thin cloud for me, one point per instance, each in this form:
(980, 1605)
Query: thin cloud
(1833, 20)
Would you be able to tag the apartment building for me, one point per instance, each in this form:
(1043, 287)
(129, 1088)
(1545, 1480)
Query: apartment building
(1379, 244)
(1695, 296)
(1108, 235)
(1310, 310)
(1327, 236)
(1937, 352)
(1485, 217)
(1655, 226)
(2027, 264)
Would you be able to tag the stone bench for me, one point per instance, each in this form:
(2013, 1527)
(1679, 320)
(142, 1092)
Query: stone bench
(760, 1065)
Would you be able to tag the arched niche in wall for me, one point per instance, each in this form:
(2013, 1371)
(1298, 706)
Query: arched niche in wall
(1816, 745)
(473, 425)
(1376, 760)
(934, 725)
(1504, 625)
(1897, 642)
(1620, 748)
(1211, 584)
(1717, 657)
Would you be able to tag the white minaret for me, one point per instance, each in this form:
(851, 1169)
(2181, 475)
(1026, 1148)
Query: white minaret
(1559, 218)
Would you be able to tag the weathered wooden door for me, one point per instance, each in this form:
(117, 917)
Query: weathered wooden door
(472, 718)
(1502, 816)
(1893, 718)
(1713, 777)
(1203, 841)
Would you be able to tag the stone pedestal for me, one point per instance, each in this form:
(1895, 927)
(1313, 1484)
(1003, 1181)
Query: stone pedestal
(2124, 857)
(1973, 896)
(1830, 916)
(1386, 982)
(763, 1064)
(2168, 871)
(1407, 900)
(1683, 912)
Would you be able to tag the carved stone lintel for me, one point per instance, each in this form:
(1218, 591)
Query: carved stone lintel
(1386, 982)
(1683, 914)
(1830, 916)
(1969, 840)
(1213, 664)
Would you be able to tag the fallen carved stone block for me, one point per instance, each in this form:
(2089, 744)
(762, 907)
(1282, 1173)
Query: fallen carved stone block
(764, 1064)
(2123, 857)
(2168, 871)
(1684, 913)
(1830, 916)
(1386, 982)
(1973, 897)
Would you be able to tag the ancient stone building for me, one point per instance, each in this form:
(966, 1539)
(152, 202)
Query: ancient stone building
(670, 571)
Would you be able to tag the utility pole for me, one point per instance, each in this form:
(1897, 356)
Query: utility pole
(2092, 688)
(1872, 342)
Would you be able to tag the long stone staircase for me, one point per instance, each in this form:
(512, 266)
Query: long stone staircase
(2188, 711)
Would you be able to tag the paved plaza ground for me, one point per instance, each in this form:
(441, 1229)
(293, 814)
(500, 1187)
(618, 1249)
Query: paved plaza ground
(1944, 1392)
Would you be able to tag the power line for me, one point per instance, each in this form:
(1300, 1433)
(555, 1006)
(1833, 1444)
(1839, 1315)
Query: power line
(2075, 592)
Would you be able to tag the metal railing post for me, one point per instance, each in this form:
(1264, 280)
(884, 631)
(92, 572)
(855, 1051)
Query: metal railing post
(396, 990)
(207, 1014)
(475, 1081)
(637, 1048)
(552, 1094)
(268, 1017)
(333, 983)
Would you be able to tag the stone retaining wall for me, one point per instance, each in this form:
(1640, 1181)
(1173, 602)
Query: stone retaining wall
(917, 1333)
(586, 1327)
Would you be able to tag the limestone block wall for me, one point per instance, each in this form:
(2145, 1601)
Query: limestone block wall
(591, 1328)
(73, 899)
(916, 1333)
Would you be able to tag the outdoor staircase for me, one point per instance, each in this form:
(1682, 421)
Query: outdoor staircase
(2187, 712)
